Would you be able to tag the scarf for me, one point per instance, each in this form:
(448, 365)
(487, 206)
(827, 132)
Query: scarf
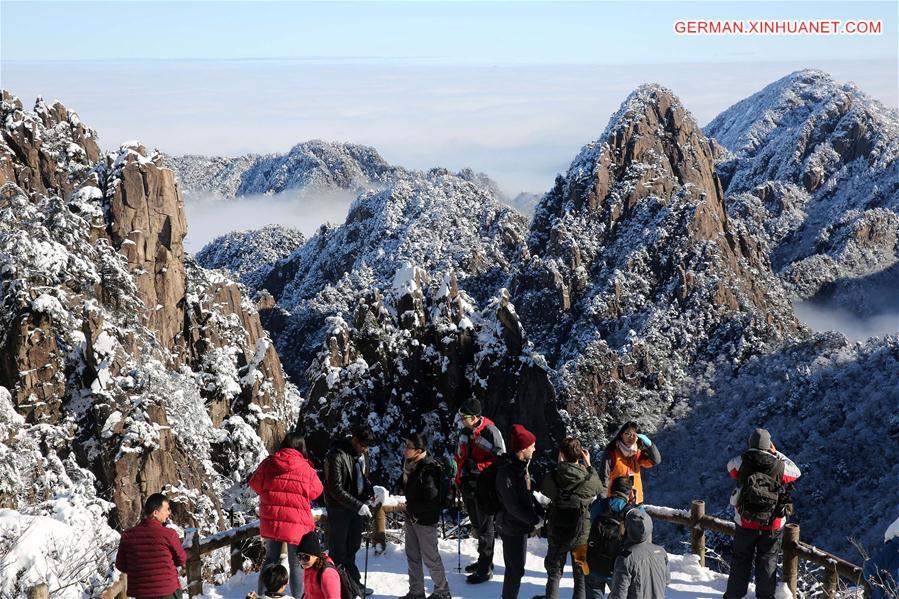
(627, 451)
(408, 467)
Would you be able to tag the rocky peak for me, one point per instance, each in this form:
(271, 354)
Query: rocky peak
(47, 150)
(151, 373)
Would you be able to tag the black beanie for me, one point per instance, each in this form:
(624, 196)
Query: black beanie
(470, 406)
(310, 544)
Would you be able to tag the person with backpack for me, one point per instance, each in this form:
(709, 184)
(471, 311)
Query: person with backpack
(480, 443)
(571, 488)
(517, 517)
(626, 454)
(421, 484)
(881, 571)
(641, 569)
(286, 483)
(761, 504)
(320, 576)
(606, 540)
(347, 493)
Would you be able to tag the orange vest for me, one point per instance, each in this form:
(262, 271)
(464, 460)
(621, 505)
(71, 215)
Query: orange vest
(622, 466)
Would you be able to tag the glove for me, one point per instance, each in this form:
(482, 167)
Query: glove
(541, 498)
(364, 511)
(645, 439)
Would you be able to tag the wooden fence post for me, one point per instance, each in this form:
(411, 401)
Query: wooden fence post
(194, 566)
(697, 533)
(831, 578)
(379, 535)
(40, 591)
(791, 558)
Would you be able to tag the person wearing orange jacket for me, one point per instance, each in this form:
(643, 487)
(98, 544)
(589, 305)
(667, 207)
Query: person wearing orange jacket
(627, 453)
(480, 443)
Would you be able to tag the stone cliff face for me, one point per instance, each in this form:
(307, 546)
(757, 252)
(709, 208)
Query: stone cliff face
(635, 271)
(153, 367)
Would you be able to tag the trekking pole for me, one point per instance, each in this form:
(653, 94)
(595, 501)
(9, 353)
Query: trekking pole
(367, 543)
(458, 540)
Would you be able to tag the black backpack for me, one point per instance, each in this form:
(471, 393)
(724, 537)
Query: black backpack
(761, 493)
(349, 588)
(566, 515)
(486, 494)
(605, 543)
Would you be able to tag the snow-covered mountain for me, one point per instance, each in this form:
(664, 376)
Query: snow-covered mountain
(251, 255)
(126, 369)
(813, 170)
(313, 164)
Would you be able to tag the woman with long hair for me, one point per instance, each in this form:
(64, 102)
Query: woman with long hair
(322, 581)
(627, 453)
(287, 484)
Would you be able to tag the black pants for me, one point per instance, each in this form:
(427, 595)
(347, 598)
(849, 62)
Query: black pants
(761, 548)
(515, 548)
(482, 526)
(554, 564)
(345, 538)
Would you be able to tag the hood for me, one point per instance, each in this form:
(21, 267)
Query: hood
(638, 527)
(570, 475)
(285, 460)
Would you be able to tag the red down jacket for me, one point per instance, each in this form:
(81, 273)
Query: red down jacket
(149, 554)
(286, 483)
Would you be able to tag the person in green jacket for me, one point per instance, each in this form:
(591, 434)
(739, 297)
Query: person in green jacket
(571, 487)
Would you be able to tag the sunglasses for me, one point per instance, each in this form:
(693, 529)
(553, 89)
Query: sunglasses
(304, 557)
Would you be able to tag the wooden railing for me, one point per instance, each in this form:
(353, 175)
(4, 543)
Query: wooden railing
(793, 549)
(696, 519)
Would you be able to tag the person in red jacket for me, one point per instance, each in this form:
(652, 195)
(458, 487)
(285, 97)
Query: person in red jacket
(150, 554)
(322, 579)
(480, 442)
(286, 483)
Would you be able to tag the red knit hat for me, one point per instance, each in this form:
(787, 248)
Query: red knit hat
(522, 438)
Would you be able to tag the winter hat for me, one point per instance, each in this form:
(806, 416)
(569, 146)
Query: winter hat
(309, 544)
(470, 407)
(622, 486)
(760, 439)
(522, 438)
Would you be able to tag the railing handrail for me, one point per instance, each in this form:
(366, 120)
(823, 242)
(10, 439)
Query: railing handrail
(694, 518)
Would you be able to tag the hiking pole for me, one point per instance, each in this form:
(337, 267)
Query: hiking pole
(365, 578)
(458, 540)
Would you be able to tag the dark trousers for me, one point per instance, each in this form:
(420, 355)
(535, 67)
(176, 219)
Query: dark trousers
(515, 548)
(554, 563)
(759, 547)
(345, 538)
(482, 527)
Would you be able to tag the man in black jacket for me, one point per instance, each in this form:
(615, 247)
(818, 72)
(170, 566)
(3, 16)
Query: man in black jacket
(421, 483)
(347, 491)
(517, 517)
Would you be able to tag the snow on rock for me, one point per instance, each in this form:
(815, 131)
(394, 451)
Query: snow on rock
(812, 170)
(251, 256)
(892, 531)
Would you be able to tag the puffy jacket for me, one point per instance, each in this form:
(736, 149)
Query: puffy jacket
(614, 464)
(287, 484)
(882, 569)
(641, 570)
(477, 449)
(149, 554)
(422, 491)
(516, 514)
(571, 485)
(321, 583)
(762, 460)
(341, 490)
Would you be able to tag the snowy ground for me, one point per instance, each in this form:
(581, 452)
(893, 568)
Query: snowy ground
(387, 576)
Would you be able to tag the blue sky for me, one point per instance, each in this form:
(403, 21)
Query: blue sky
(441, 32)
(513, 90)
